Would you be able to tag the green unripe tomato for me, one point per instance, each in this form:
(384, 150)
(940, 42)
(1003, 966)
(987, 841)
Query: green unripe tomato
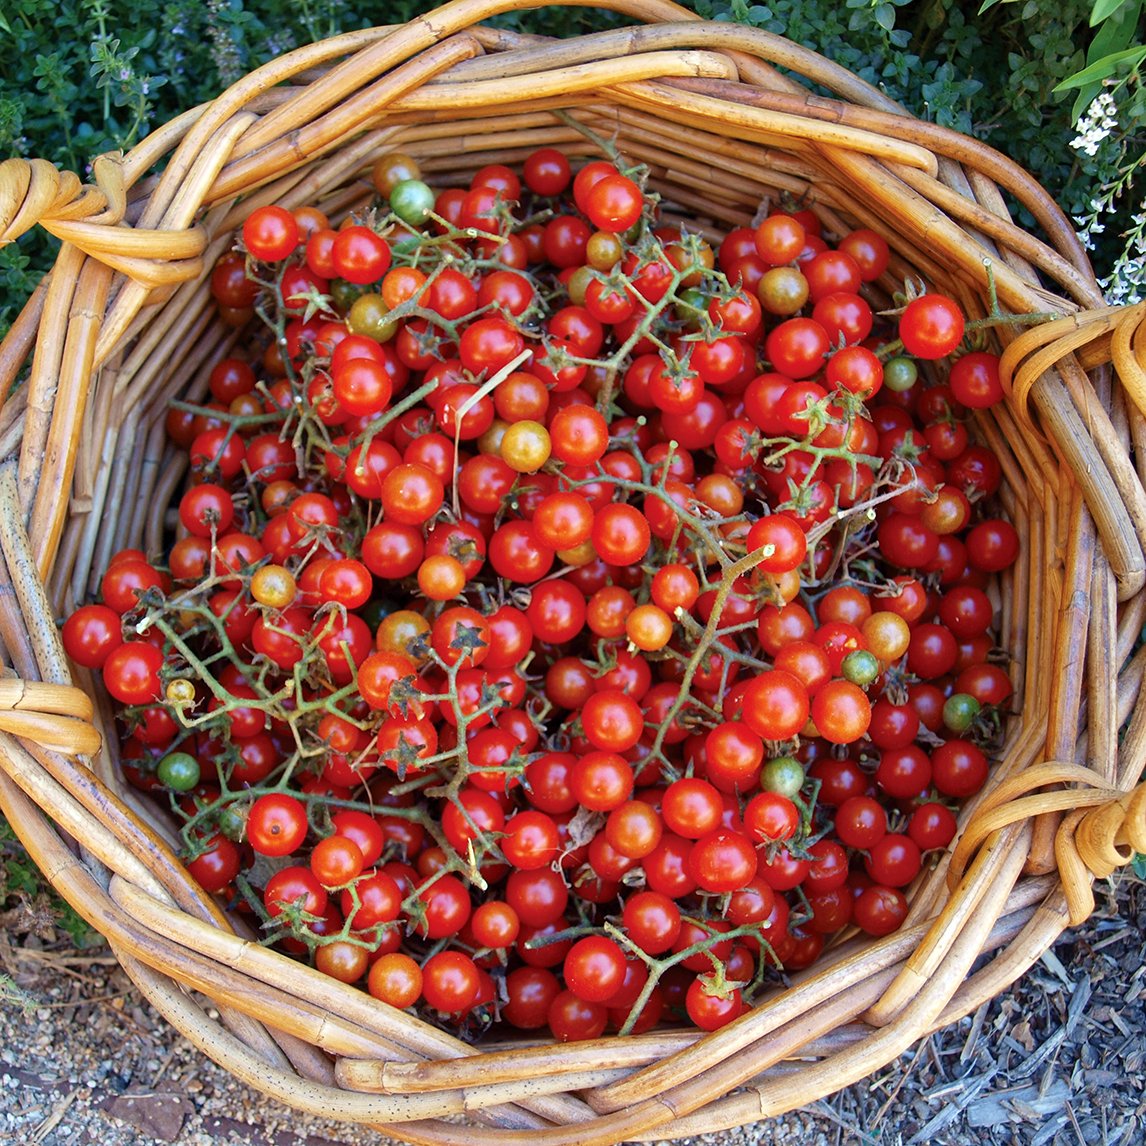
(370, 316)
(412, 201)
(690, 304)
(232, 822)
(959, 711)
(578, 284)
(900, 374)
(783, 775)
(178, 771)
(373, 612)
(343, 294)
(861, 667)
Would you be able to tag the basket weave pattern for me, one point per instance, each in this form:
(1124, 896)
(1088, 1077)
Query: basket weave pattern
(125, 322)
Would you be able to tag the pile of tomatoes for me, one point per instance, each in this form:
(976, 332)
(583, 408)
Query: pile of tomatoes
(575, 617)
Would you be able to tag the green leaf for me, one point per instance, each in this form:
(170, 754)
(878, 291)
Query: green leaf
(20, 878)
(1100, 69)
(1102, 9)
(1083, 100)
(1116, 33)
(14, 996)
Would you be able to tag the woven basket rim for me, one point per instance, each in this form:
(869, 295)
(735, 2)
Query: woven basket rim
(127, 291)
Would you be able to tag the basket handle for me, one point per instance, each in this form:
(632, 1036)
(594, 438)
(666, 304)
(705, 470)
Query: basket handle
(91, 217)
(1059, 353)
(55, 716)
(1104, 828)
(1114, 334)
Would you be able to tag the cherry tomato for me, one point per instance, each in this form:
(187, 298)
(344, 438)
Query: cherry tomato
(270, 233)
(931, 326)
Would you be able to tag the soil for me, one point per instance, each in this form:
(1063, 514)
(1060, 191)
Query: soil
(1060, 1060)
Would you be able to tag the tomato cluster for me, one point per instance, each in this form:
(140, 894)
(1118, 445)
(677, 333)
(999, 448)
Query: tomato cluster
(570, 617)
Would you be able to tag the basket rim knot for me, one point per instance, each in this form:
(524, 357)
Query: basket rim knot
(91, 216)
(55, 716)
(1097, 337)
(1101, 830)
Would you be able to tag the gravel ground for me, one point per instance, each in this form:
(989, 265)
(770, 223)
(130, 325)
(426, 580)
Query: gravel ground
(1061, 1059)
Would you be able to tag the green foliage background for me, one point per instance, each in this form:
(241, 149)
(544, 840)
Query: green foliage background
(78, 77)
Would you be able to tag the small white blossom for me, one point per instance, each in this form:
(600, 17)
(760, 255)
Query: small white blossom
(1127, 281)
(1087, 144)
(1095, 124)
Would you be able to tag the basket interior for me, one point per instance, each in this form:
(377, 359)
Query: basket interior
(708, 181)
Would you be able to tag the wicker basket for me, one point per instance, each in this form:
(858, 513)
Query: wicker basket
(124, 323)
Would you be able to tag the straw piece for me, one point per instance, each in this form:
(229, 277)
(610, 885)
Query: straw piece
(562, 81)
(57, 465)
(45, 368)
(747, 122)
(1102, 749)
(1102, 493)
(20, 570)
(59, 733)
(495, 1066)
(127, 242)
(18, 342)
(62, 700)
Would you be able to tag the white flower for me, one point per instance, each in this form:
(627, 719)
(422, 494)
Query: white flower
(1087, 144)
(1095, 124)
